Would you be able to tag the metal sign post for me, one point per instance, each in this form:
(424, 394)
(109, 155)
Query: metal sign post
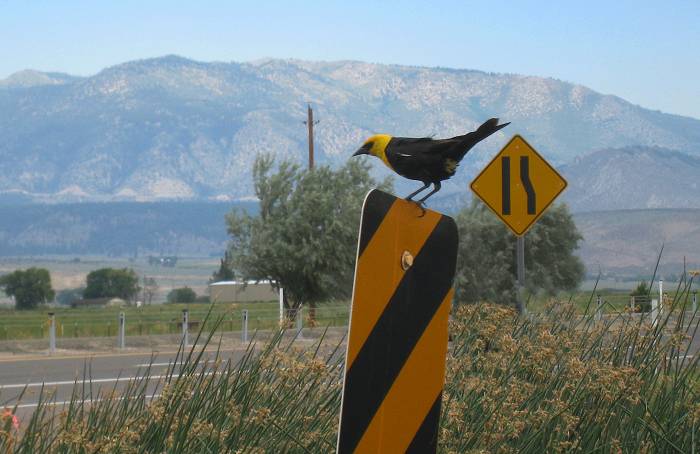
(281, 307)
(122, 331)
(518, 185)
(520, 265)
(300, 322)
(245, 326)
(52, 332)
(185, 327)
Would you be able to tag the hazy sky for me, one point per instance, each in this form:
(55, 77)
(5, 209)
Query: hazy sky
(646, 52)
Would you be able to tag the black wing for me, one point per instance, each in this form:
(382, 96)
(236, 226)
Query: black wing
(418, 158)
(423, 145)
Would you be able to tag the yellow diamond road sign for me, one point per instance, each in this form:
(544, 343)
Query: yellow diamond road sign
(518, 185)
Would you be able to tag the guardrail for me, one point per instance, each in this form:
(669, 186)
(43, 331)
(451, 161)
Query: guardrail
(122, 326)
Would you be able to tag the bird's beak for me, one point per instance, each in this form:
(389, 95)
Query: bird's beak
(363, 150)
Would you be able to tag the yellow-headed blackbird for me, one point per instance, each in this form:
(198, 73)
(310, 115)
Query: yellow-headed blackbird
(425, 159)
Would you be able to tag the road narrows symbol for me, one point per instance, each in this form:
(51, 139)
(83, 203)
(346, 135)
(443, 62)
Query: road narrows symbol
(505, 182)
(519, 202)
(527, 184)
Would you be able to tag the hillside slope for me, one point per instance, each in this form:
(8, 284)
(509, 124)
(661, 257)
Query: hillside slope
(628, 242)
(632, 178)
(116, 229)
(172, 128)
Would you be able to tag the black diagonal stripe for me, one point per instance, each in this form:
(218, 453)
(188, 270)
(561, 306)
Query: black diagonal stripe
(377, 205)
(425, 440)
(411, 308)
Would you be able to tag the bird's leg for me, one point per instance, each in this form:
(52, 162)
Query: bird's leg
(413, 194)
(436, 188)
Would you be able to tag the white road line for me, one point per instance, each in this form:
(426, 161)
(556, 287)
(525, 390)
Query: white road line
(89, 381)
(681, 357)
(77, 382)
(66, 402)
(157, 364)
(205, 362)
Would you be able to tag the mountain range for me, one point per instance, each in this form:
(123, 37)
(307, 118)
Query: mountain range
(627, 243)
(170, 128)
(634, 177)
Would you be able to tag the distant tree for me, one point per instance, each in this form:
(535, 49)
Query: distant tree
(69, 296)
(150, 288)
(486, 256)
(182, 295)
(641, 290)
(204, 299)
(225, 271)
(29, 287)
(304, 238)
(112, 283)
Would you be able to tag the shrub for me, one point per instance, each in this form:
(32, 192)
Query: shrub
(642, 289)
(642, 302)
(182, 295)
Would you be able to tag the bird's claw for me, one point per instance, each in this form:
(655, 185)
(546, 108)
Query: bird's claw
(421, 205)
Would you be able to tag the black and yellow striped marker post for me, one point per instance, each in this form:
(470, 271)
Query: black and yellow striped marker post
(397, 345)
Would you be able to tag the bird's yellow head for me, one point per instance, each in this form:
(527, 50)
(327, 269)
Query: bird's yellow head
(375, 146)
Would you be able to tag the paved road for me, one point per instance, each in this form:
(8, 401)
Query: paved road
(58, 374)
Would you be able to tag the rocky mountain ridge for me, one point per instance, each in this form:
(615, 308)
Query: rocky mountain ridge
(172, 128)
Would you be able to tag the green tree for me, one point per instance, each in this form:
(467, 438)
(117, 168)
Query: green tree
(182, 295)
(225, 271)
(641, 290)
(112, 283)
(150, 288)
(29, 287)
(304, 238)
(486, 257)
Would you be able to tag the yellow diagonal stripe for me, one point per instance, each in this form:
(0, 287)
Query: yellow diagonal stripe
(414, 391)
(403, 228)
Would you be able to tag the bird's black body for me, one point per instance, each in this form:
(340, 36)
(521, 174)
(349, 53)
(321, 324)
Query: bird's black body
(432, 160)
(426, 159)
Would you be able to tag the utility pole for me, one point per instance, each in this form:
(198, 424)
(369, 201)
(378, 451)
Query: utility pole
(310, 124)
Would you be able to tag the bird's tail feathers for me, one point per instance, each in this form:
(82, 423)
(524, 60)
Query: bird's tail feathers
(469, 140)
(489, 127)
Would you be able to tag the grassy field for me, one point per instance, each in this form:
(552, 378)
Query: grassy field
(614, 298)
(153, 319)
(166, 318)
(70, 272)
